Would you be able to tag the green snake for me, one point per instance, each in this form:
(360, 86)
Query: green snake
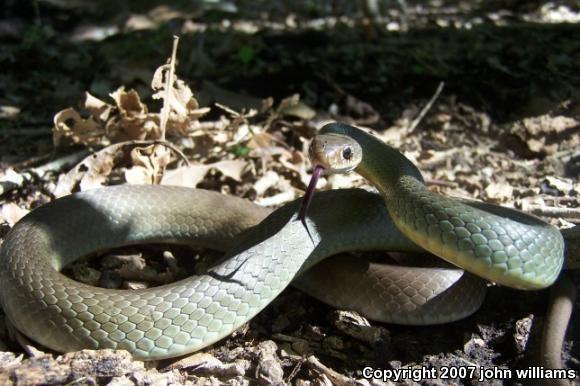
(266, 251)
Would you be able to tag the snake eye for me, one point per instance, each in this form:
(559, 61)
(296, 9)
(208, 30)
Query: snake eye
(347, 153)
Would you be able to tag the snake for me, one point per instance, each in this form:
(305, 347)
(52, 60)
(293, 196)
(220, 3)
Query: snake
(265, 252)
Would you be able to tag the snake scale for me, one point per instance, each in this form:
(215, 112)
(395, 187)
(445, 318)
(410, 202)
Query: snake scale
(501, 245)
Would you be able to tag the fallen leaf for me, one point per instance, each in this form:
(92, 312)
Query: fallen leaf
(267, 181)
(296, 161)
(277, 199)
(93, 33)
(293, 107)
(134, 121)
(12, 213)
(535, 132)
(129, 118)
(183, 107)
(499, 191)
(93, 171)
(98, 109)
(192, 175)
(149, 164)
(139, 23)
(9, 112)
(69, 124)
(563, 185)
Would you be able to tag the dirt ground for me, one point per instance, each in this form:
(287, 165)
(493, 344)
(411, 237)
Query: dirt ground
(482, 96)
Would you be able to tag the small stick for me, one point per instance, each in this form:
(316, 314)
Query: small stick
(425, 109)
(566, 213)
(168, 84)
(335, 377)
(448, 184)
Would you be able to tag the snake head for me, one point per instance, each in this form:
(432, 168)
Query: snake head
(329, 154)
(335, 153)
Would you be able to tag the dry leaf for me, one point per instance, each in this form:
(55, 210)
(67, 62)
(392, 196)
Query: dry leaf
(203, 363)
(98, 109)
(134, 121)
(192, 175)
(563, 185)
(499, 191)
(90, 173)
(9, 112)
(293, 107)
(183, 107)
(529, 203)
(135, 261)
(139, 23)
(341, 180)
(268, 180)
(69, 124)
(12, 213)
(93, 33)
(129, 118)
(296, 161)
(277, 199)
(265, 144)
(149, 164)
(534, 131)
(93, 171)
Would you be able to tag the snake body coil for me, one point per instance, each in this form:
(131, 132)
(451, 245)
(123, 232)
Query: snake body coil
(185, 316)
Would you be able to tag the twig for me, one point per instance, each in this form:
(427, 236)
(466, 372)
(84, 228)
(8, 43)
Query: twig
(334, 377)
(425, 109)
(295, 370)
(168, 84)
(13, 180)
(566, 213)
(435, 182)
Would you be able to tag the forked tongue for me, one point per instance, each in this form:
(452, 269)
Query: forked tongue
(308, 195)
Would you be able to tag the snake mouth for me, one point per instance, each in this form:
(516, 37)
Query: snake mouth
(309, 194)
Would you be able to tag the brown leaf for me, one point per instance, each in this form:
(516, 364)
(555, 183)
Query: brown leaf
(134, 121)
(12, 213)
(535, 132)
(563, 185)
(90, 173)
(94, 170)
(296, 161)
(267, 181)
(293, 107)
(149, 164)
(9, 112)
(192, 175)
(499, 191)
(183, 107)
(98, 109)
(265, 144)
(69, 124)
(129, 103)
